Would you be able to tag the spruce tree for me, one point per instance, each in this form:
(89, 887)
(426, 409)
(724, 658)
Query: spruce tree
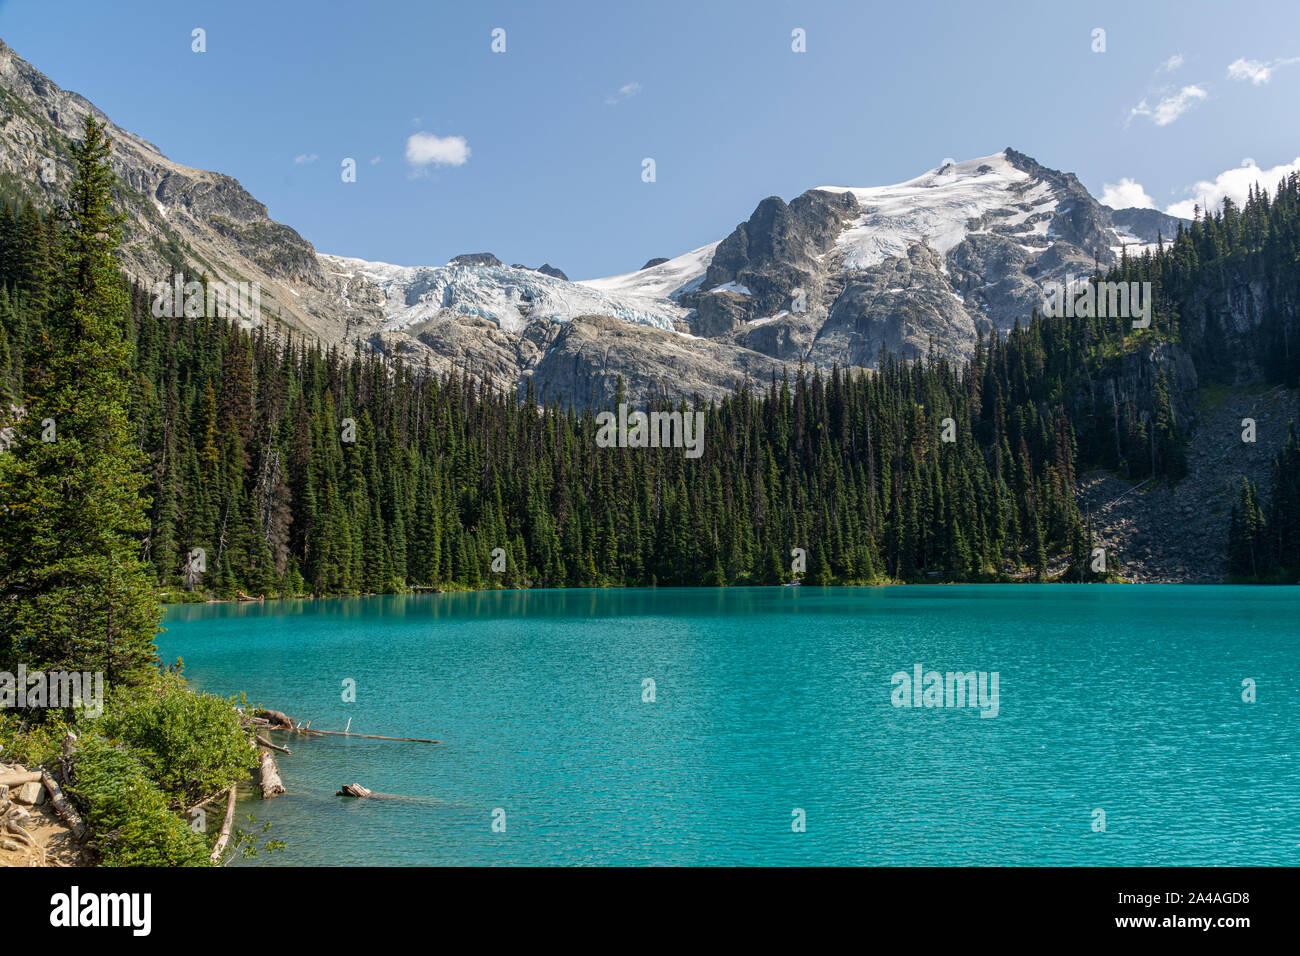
(76, 594)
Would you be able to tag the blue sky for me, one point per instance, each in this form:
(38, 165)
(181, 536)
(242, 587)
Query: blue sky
(536, 153)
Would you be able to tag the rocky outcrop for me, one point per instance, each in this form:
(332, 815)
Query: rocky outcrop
(1132, 380)
(475, 259)
(902, 308)
(1179, 533)
(768, 260)
(545, 269)
(581, 361)
(202, 219)
(1149, 225)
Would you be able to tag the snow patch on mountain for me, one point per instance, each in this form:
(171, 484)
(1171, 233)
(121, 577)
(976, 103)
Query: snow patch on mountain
(510, 297)
(935, 208)
(668, 280)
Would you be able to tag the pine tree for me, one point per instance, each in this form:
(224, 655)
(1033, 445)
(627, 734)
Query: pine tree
(76, 594)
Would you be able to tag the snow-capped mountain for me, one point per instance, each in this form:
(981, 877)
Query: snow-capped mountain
(832, 277)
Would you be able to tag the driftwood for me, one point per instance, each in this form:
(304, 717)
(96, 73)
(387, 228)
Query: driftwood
(226, 826)
(13, 831)
(241, 596)
(63, 807)
(17, 779)
(276, 718)
(271, 785)
(356, 790)
(285, 722)
(205, 802)
(266, 743)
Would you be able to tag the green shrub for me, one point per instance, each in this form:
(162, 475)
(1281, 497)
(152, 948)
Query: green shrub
(30, 742)
(191, 744)
(129, 819)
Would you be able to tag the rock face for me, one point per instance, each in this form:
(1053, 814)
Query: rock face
(545, 269)
(1160, 533)
(836, 276)
(476, 259)
(203, 219)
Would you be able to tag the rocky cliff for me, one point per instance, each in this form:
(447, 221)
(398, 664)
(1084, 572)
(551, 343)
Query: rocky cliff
(835, 277)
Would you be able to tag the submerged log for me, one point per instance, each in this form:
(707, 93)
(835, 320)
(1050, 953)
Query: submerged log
(271, 785)
(226, 826)
(344, 733)
(354, 790)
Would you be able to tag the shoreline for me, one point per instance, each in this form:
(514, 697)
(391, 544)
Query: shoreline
(730, 587)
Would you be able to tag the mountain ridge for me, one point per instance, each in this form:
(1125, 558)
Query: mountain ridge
(837, 276)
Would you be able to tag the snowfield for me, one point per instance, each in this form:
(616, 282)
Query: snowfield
(502, 294)
(987, 196)
(935, 208)
(667, 280)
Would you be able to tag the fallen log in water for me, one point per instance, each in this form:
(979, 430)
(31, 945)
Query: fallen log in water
(344, 733)
(276, 718)
(282, 721)
(226, 826)
(354, 790)
(266, 743)
(271, 785)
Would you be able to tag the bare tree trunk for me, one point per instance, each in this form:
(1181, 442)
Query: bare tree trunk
(226, 825)
(63, 807)
(271, 785)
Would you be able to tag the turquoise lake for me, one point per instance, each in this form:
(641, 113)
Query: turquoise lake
(1125, 699)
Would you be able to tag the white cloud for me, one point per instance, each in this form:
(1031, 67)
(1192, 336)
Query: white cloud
(1232, 183)
(374, 161)
(1252, 70)
(305, 158)
(425, 149)
(1125, 194)
(625, 92)
(1257, 72)
(1171, 64)
(1170, 107)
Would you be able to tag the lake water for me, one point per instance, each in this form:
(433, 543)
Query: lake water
(768, 701)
